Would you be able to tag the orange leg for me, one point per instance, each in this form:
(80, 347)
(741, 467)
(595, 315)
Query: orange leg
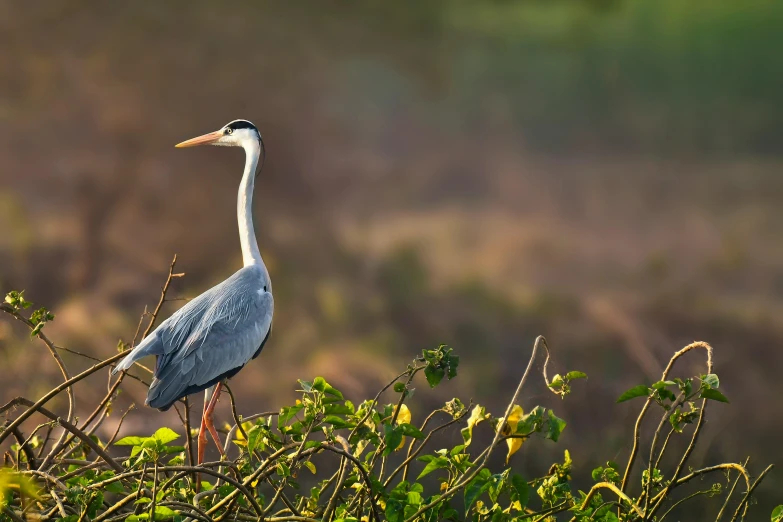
(208, 418)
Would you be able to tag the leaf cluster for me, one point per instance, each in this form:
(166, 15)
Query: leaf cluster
(326, 457)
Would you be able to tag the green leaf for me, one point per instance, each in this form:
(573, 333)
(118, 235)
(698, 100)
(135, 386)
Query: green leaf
(254, 437)
(392, 437)
(575, 375)
(664, 394)
(161, 513)
(662, 384)
(179, 460)
(95, 504)
(777, 514)
(609, 516)
(131, 441)
(521, 490)
(474, 489)
(114, 487)
(395, 510)
(711, 380)
(320, 384)
(434, 463)
(287, 413)
(338, 409)
(713, 395)
(399, 387)
(312, 444)
(414, 498)
(411, 431)
(165, 435)
(452, 365)
(338, 422)
(556, 426)
(636, 391)
(434, 375)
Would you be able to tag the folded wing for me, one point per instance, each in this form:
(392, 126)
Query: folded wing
(209, 339)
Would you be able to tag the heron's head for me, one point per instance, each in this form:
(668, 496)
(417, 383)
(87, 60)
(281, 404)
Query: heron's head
(237, 133)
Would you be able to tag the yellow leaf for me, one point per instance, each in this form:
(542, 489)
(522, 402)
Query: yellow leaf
(513, 447)
(509, 427)
(477, 415)
(404, 417)
(360, 447)
(10, 480)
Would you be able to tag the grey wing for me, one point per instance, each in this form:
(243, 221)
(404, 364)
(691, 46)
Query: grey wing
(211, 338)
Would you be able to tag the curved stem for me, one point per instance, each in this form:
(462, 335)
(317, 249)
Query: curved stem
(640, 418)
(456, 487)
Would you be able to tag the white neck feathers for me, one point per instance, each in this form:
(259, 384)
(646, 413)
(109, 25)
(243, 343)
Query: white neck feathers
(247, 236)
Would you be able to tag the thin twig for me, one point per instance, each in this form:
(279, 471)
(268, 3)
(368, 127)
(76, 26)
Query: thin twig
(188, 438)
(63, 369)
(640, 418)
(101, 406)
(449, 492)
(46, 398)
(76, 431)
(615, 490)
(162, 299)
(743, 505)
(731, 492)
(340, 480)
(682, 500)
(154, 489)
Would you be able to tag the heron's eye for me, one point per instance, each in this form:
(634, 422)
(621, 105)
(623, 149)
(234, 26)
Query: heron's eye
(229, 130)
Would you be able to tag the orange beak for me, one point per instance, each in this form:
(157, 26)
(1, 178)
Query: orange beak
(204, 139)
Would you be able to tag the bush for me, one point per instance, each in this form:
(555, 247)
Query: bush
(328, 458)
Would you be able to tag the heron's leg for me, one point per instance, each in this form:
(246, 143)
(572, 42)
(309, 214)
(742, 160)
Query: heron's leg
(208, 418)
(202, 440)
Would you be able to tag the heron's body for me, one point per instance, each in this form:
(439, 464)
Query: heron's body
(214, 335)
(211, 338)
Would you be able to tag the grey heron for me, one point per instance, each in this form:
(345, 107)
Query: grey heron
(215, 334)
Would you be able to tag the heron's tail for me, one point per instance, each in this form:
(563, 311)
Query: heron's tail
(151, 345)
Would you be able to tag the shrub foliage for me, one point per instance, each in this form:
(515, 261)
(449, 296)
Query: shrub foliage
(329, 458)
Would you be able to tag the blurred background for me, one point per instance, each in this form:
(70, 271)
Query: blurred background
(606, 173)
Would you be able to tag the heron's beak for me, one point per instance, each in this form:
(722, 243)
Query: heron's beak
(204, 139)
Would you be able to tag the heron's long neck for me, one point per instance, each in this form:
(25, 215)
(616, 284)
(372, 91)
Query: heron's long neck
(247, 235)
